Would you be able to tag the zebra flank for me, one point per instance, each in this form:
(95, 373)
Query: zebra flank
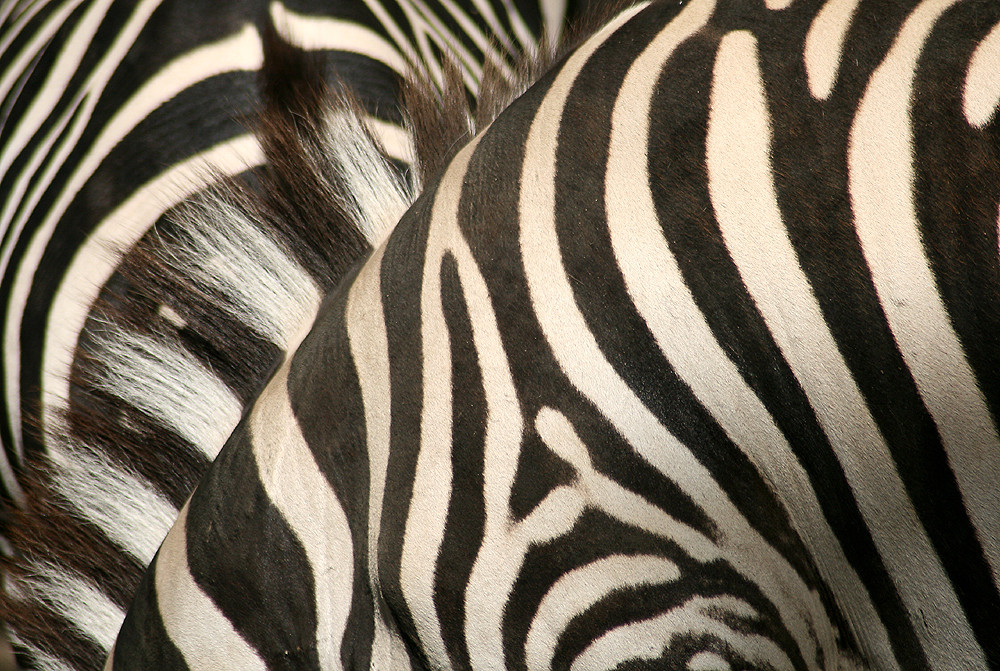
(671, 343)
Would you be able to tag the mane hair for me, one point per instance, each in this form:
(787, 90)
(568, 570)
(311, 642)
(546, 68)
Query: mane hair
(197, 317)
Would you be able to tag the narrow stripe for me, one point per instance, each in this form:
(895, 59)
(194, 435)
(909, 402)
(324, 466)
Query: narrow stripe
(231, 53)
(433, 477)
(881, 182)
(56, 82)
(580, 589)
(17, 66)
(981, 93)
(366, 329)
(656, 285)
(433, 39)
(745, 202)
(325, 32)
(825, 45)
(309, 505)
(194, 624)
(581, 360)
(648, 639)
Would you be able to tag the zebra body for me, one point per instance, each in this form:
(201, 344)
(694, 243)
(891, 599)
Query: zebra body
(684, 362)
(113, 115)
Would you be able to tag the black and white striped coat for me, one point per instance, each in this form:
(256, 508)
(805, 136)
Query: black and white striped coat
(112, 116)
(687, 361)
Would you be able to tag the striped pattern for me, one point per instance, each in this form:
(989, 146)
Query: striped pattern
(99, 103)
(113, 119)
(687, 361)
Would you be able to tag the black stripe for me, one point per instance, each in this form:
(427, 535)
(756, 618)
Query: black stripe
(332, 420)
(958, 192)
(466, 513)
(265, 591)
(143, 643)
(400, 288)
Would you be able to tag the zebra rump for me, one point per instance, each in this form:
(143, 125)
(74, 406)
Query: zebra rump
(198, 316)
(685, 360)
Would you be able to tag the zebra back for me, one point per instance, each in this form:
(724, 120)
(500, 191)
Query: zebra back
(685, 362)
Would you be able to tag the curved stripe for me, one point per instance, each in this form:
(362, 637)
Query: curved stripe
(324, 32)
(656, 285)
(825, 45)
(432, 482)
(369, 342)
(93, 264)
(581, 360)
(242, 51)
(309, 505)
(648, 639)
(58, 78)
(578, 590)
(881, 184)
(198, 629)
(745, 202)
(981, 93)
(17, 66)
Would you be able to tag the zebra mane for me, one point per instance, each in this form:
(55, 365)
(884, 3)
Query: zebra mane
(199, 314)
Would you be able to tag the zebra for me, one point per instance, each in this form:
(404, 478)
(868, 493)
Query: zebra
(683, 360)
(100, 136)
(112, 115)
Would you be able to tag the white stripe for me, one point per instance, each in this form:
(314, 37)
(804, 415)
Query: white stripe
(825, 45)
(576, 591)
(199, 630)
(366, 330)
(433, 477)
(45, 660)
(656, 285)
(306, 501)
(222, 248)
(581, 359)
(240, 52)
(981, 93)
(170, 384)
(121, 504)
(56, 82)
(881, 181)
(93, 263)
(377, 196)
(427, 28)
(648, 639)
(745, 203)
(16, 67)
(324, 32)
(73, 597)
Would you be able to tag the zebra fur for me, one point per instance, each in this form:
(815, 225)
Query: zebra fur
(178, 345)
(632, 434)
(655, 390)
